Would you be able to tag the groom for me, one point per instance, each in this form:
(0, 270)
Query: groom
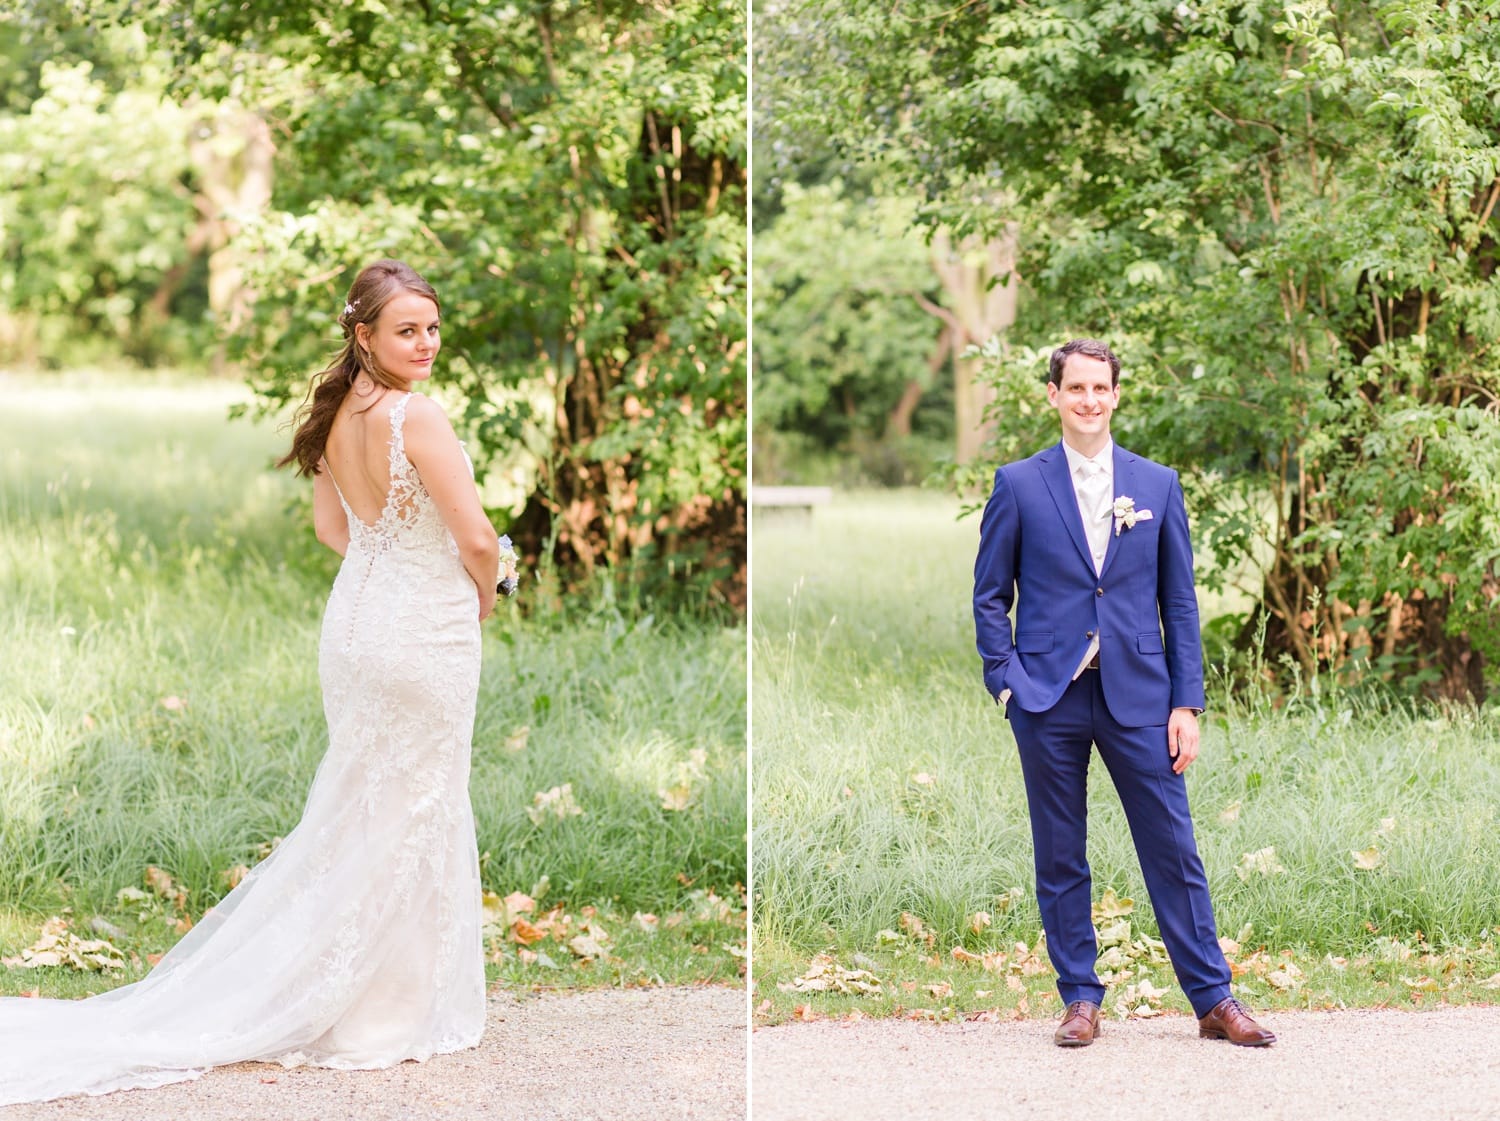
(1093, 542)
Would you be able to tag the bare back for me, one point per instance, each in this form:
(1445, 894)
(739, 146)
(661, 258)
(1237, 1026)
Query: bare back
(358, 453)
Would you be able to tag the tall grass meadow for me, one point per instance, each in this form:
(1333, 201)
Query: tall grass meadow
(160, 600)
(886, 781)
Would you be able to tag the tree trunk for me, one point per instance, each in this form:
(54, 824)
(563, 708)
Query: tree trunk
(232, 154)
(977, 277)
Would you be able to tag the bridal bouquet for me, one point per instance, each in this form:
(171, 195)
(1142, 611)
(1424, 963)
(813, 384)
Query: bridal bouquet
(510, 575)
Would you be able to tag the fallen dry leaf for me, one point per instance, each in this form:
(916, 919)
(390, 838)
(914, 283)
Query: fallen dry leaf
(519, 903)
(556, 804)
(1261, 862)
(586, 946)
(1286, 976)
(992, 962)
(916, 929)
(1111, 906)
(525, 933)
(824, 974)
(1140, 1001)
(643, 920)
(59, 946)
(1010, 899)
(1367, 860)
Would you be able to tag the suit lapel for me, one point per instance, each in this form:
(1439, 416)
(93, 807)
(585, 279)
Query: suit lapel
(1124, 484)
(1060, 483)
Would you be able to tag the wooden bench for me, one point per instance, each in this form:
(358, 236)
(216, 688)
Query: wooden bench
(797, 502)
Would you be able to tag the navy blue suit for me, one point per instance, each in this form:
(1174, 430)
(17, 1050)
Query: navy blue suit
(1033, 554)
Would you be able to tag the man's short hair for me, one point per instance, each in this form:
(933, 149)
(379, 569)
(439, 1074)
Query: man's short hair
(1089, 348)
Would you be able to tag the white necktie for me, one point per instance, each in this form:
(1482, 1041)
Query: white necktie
(1093, 489)
(1094, 500)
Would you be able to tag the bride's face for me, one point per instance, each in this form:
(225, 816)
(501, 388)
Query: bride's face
(405, 337)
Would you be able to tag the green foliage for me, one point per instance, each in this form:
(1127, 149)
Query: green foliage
(1284, 219)
(570, 178)
(80, 280)
(840, 332)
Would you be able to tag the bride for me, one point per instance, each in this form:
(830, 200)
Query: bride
(356, 944)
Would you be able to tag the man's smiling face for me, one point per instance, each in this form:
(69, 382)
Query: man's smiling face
(1084, 401)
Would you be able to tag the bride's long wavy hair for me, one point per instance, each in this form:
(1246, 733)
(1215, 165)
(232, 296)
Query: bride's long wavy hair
(371, 291)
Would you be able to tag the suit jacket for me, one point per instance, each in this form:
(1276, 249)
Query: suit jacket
(1142, 604)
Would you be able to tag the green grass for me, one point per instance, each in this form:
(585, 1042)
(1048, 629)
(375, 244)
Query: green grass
(886, 782)
(146, 553)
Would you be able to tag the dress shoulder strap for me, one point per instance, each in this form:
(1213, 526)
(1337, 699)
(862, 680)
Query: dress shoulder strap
(398, 424)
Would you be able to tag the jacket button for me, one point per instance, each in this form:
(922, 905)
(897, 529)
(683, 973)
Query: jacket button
(1098, 591)
(1088, 634)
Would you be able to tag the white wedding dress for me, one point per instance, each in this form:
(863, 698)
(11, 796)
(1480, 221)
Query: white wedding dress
(356, 944)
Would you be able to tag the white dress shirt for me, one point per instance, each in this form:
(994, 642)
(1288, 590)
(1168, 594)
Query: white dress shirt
(1094, 490)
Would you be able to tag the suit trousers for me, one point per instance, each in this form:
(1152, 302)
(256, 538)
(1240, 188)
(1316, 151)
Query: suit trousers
(1055, 748)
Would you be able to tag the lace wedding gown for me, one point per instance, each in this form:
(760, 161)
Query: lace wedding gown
(356, 943)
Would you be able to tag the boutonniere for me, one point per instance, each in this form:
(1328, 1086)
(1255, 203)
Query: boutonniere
(1126, 515)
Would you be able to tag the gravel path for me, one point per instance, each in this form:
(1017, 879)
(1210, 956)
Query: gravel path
(1365, 1064)
(612, 1055)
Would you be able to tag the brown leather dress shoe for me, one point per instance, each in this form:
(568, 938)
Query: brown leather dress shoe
(1230, 1020)
(1079, 1026)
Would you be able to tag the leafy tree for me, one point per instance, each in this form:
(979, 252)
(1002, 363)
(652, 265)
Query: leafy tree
(844, 347)
(966, 287)
(1284, 218)
(76, 277)
(570, 176)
